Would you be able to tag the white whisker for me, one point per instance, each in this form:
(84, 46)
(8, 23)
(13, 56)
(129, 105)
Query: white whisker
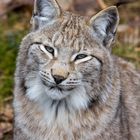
(47, 80)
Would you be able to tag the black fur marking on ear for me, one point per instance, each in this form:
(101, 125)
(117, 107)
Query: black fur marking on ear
(107, 39)
(40, 6)
(110, 28)
(123, 2)
(111, 22)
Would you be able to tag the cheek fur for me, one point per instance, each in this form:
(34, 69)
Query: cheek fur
(90, 68)
(36, 55)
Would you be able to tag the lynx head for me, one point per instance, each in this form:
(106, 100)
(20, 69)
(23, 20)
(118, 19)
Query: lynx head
(66, 59)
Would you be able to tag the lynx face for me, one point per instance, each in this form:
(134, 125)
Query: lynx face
(63, 69)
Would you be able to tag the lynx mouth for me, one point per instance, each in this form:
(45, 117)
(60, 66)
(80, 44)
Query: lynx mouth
(53, 86)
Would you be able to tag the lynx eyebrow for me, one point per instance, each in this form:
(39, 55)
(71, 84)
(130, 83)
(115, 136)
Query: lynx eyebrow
(37, 43)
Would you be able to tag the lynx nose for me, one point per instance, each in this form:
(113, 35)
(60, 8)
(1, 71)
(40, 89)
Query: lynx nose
(58, 79)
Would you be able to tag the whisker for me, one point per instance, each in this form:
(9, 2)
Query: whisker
(47, 80)
(72, 84)
(42, 74)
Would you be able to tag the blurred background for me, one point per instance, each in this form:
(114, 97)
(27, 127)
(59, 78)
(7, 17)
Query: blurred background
(15, 24)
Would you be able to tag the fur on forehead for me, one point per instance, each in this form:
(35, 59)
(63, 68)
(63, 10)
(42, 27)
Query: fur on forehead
(103, 25)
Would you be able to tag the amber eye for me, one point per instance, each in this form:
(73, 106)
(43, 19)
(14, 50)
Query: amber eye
(50, 49)
(80, 56)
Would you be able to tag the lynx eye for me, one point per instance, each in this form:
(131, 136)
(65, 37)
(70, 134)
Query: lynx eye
(80, 56)
(49, 49)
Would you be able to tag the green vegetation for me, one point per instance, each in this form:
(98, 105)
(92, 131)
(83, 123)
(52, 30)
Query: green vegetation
(11, 33)
(128, 52)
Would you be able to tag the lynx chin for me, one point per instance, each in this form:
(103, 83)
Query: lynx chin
(68, 84)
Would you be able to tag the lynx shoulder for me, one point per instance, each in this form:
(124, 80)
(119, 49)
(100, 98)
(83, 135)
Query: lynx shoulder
(68, 85)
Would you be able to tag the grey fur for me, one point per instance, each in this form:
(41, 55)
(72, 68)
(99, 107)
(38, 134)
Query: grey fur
(100, 98)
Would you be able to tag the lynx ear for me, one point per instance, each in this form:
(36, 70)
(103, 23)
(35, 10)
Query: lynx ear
(105, 24)
(45, 12)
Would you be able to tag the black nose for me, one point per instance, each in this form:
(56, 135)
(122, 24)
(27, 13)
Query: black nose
(58, 79)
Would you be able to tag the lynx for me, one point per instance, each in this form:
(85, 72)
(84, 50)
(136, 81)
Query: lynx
(68, 84)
